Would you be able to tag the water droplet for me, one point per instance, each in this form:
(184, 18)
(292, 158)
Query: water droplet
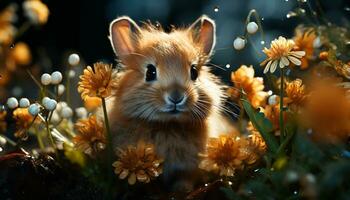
(262, 19)
(295, 192)
(269, 92)
(291, 14)
(286, 0)
(229, 183)
(216, 9)
(228, 66)
(256, 170)
(12, 46)
(1, 149)
(301, 11)
(302, 1)
(309, 131)
(347, 9)
(206, 185)
(157, 25)
(262, 42)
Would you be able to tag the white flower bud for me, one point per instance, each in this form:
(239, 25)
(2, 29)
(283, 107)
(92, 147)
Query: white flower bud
(239, 43)
(272, 100)
(81, 112)
(56, 77)
(46, 79)
(66, 112)
(60, 106)
(71, 73)
(50, 105)
(252, 27)
(73, 59)
(55, 118)
(12, 103)
(34, 109)
(44, 101)
(60, 89)
(24, 103)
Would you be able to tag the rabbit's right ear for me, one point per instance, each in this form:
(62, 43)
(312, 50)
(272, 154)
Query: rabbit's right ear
(123, 33)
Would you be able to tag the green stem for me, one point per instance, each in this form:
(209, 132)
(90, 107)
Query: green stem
(109, 146)
(40, 141)
(47, 125)
(281, 106)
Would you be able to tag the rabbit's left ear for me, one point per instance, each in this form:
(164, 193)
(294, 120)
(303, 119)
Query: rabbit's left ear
(203, 33)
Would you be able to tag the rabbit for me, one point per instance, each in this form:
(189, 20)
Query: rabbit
(166, 95)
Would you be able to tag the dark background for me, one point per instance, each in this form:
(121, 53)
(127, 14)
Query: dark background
(82, 25)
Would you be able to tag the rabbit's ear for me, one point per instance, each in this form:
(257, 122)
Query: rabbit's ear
(123, 34)
(203, 33)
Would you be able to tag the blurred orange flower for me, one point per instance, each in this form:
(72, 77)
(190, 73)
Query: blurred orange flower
(138, 163)
(3, 123)
(7, 30)
(36, 11)
(243, 79)
(327, 112)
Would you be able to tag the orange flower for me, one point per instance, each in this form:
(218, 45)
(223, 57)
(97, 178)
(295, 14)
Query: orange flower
(7, 30)
(304, 41)
(23, 122)
(91, 138)
(92, 103)
(272, 112)
(138, 163)
(281, 54)
(243, 79)
(327, 112)
(224, 155)
(295, 91)
(97, 81)
(20, 54)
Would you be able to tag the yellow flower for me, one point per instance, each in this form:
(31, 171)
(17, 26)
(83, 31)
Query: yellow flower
(243, 79)
(138, 163)
(296, 93)
(91, 138)
(36, 11)
(97, 81)
(23, 122)
(281, 54)
(304, 41)
(224, 155)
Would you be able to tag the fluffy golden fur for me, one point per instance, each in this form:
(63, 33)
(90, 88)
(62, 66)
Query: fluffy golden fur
(138, 111)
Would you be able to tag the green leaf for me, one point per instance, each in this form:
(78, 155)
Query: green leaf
(262, 124)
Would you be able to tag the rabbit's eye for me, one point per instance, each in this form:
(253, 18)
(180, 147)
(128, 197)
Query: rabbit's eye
(194, 72)
(151, 73)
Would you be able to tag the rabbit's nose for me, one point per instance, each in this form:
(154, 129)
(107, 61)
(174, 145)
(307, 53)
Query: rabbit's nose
(176, 97)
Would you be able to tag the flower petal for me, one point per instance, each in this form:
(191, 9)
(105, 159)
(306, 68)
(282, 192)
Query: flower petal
(281, 65)
(267, 67)
(294, 60)
(274, 66)
(132, 179)
(285, 61)
(297, 54)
